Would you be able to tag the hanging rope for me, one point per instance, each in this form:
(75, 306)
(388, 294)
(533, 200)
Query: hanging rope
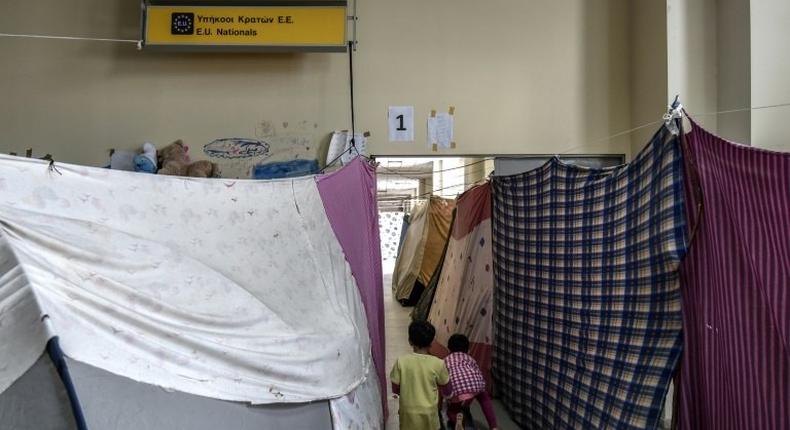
(335, 159)
(351, 91)
(353, 143)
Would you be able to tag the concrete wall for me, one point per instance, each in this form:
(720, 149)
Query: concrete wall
(734, 80)
(525, 76)
(770, 73)
(648, 68)
(709, 52)
(692, 60)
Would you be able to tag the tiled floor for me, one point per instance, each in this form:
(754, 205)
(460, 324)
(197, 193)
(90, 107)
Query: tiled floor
(396, 320)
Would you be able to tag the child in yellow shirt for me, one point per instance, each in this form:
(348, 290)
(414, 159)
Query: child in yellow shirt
(417, 378)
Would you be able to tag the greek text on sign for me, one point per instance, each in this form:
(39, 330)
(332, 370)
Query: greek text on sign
(272, 26)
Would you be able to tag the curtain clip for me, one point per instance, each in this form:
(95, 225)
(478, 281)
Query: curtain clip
(674, 113)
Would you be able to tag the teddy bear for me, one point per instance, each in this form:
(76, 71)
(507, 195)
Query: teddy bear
(174, 160)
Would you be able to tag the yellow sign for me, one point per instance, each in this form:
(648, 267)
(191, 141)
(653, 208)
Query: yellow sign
(247, 26)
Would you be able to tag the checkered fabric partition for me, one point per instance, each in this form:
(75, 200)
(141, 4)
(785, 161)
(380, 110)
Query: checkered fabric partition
(587, 303)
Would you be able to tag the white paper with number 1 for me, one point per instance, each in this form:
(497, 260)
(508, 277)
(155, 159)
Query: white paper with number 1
(401, 123)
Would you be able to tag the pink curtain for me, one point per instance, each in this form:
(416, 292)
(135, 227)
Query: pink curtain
(349, 197)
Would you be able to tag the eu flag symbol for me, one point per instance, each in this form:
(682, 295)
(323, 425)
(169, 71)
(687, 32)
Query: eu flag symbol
(182, 23)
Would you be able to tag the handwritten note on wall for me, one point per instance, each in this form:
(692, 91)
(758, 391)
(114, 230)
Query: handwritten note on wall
(440, 130)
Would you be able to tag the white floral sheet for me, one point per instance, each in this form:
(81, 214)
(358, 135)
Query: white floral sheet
(235, 290)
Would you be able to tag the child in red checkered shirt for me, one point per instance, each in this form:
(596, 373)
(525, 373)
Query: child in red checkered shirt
(466, 382)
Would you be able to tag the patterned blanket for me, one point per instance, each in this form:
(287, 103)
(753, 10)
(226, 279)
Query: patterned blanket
(586, 303)
(463, 299)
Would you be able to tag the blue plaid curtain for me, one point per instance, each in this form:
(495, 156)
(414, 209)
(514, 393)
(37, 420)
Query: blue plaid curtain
(587, 304)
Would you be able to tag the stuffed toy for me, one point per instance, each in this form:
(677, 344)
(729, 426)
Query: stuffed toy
(174, 160)
(146, 162)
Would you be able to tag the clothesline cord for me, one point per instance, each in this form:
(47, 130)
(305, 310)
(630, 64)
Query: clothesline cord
(442, 170)
(424, 196)
(92, 39)
(618, 134)
(608, 138)
(471, 173)
(625, 132)
(463, 185)
(741, 109)
(423, 181)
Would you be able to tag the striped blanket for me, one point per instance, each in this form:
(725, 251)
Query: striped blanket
(736, 288)
(586, 303)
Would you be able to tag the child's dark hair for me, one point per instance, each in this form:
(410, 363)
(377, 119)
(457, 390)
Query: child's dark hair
(458, 343)
(421, 334)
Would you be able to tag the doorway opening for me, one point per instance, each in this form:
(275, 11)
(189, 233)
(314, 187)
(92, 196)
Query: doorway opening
(404, 181)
